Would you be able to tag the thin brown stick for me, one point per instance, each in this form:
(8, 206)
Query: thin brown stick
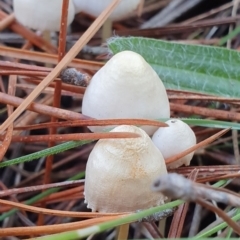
(50, 229)
(208, 14)
(23, 73)
(95, 122)
(73, 137)
(67, 87)
(208, 170)
(59, 213)
(46, 58)
(217, 178)
(8, 136)
(177, 28)
(57, 91)
(5, 22)
(43, 109)
(58, 85)
(219, 114)
(201, 97)
(12, 191)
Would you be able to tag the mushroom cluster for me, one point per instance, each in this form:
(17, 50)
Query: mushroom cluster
(120, 171)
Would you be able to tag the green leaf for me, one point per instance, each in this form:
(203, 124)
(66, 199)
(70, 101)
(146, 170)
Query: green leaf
(211, 123)
(201, 69)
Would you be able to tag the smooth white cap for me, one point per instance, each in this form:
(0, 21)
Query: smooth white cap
(126, 87)
(41, 14)
(120, 172)
(173, 140)
(95, 7)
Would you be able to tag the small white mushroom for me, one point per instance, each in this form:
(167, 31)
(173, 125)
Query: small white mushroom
(41, 14)
(175, 139)
(119, 173)
(126, 87)
(94, 7)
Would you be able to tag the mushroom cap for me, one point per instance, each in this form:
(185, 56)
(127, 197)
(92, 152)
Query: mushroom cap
(119, 173)
(41, 14)
(126, 87)
(175, 138)
(94, 7)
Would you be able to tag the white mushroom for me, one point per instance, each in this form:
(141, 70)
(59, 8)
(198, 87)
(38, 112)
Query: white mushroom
(119, 173)
(126, 87)
(175, 139)
(94, 7)
(41, 14)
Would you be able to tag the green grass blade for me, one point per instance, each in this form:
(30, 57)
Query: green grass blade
(229, 36)
(46, 152)
(216, 229)
(201, 69)
(211, 123)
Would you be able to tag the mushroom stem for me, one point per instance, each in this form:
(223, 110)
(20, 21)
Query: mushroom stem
(46, 35)
(123, 232)
(162, 225)
(106, 30)
(140, 8)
